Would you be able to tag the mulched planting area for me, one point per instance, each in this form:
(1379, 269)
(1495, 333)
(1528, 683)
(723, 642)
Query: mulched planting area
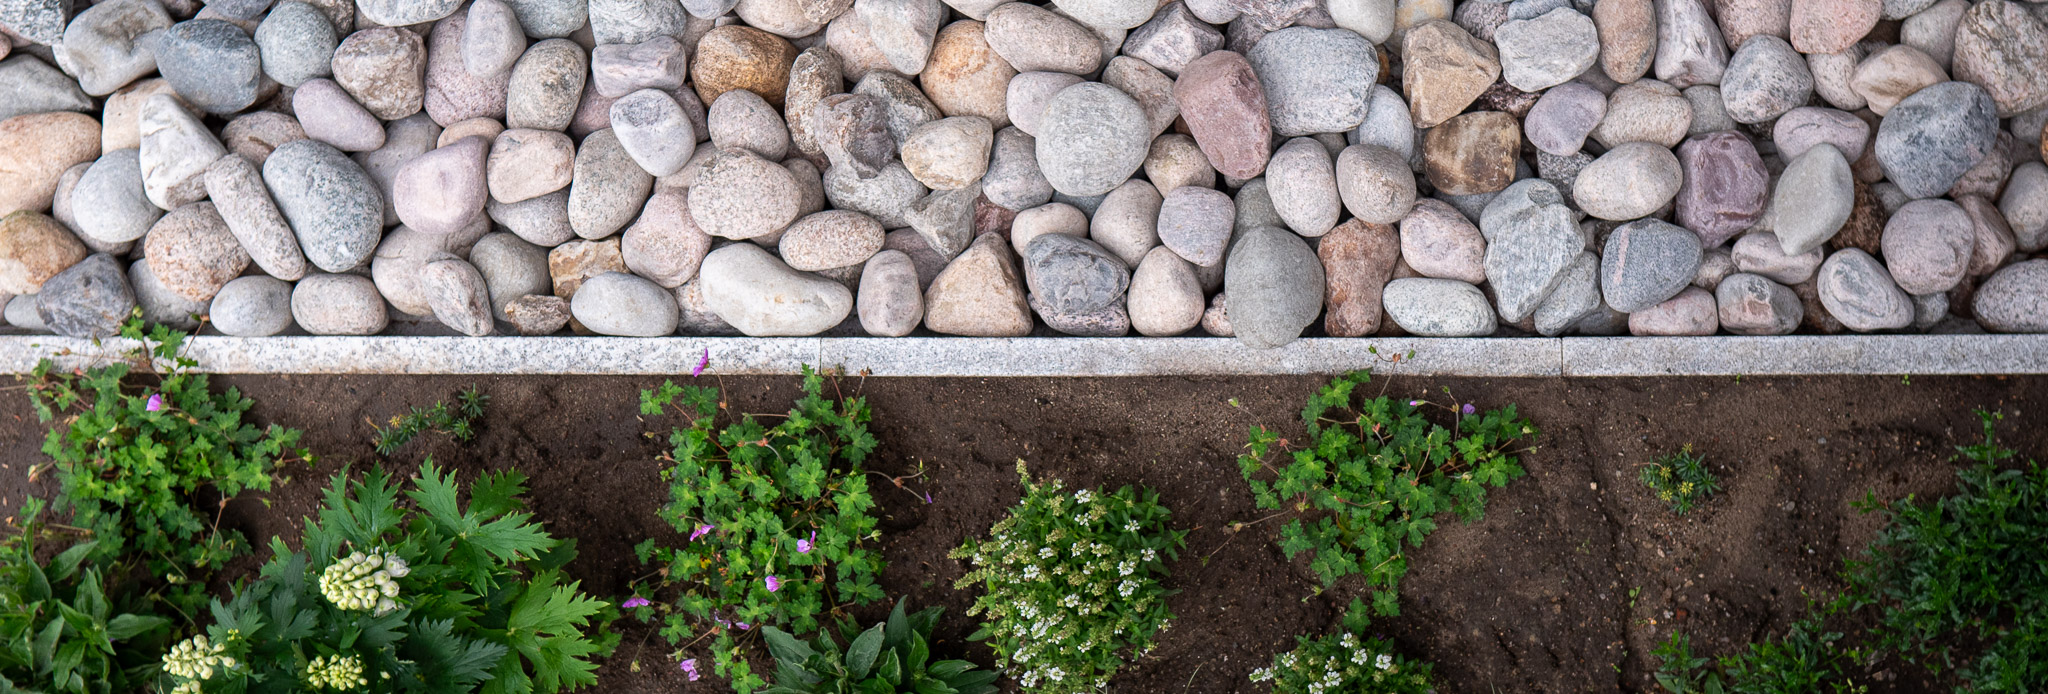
(1574, 575)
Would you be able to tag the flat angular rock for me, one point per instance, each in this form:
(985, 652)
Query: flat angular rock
(573, 263)
(1428, 307)
(738, 57)
(385, 70)
(1172, 38)
(979, 294)
(1690, 49)
(945, 220)
(1933, 137)
(1446, 70)
(39, 21)
(1532, 239)
(887, 197)
(539, 315)
(1548, 50)
(1276, 285)
(1472, 153)
(1072, 275)
(1576, 297)
(949, 153)
(90, 299)
(1645, 263)
(1225, 106)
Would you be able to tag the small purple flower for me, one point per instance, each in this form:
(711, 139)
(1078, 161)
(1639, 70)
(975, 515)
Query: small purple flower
(702, 363)
(1415, 403)
(927, 497)
(774, 584)
(742, 626)
(156, 402)
(804, 546)
(701, 531)
(635, 601)
(690, 668)
(1469, 409)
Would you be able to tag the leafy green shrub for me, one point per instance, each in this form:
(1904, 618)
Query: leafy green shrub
(458, 421)
(1806, 660)
(1374, 475)
(893, 656)
(1967, 570)
(434, 596)
(59, 631)
(1345, 663)
(776, 518)
(133, 464)
(1070, 581)
(1681, 480)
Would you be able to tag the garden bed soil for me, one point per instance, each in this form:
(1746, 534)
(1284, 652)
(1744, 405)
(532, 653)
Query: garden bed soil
(1574, 575)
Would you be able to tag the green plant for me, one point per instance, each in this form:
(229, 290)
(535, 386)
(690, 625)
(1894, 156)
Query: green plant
(1808, 659)
(777, 518)
(59, 629)
(138, 467)
(1070, 581)
(1681, 480)
(1374, 475)
(431, 596)
(458, 421)
(1345, 663)
(1966, 573)
(892, 656)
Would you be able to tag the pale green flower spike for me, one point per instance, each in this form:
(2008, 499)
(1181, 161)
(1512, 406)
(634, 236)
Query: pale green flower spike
(336, 672)
(197, 659)
(364, 582)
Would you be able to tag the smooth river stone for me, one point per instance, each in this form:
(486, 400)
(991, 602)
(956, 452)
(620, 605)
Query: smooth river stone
(1548, 50)
(1430, 307)
(1930, 139)
(1375, 183)
(1753, 305)
(616, 21)
(1628, 38)
(1225, 107)
(1693, 312)
(664, 244)
(1832, 26)
(890, 302)
(1631, 181)
(1302, 183)
(1094, 137)
(2015, 299)
(1813, 199)
(1034, 39)
(1446, 69)
(1760, 253)
(1276, 286)
(252, 306)
(1927, 246)
(1765, 79)
(1802, 128)
(979, 294)
(739, 57)
(966, 77)
(739, 195)
(1473, 153)
(108, 202)
(236, 187)
(107, 46)
(1316, 80)
(1563, 117)
(385, 69)
(454, 94)
(1725, 186)
(213, 64)
(1576, 297)
(334, 208)
(1860, 293)
(620, 304)
(608, 187)
(28, 85)
(511, 268)
(1165, 296)
(2005, 51)
(1438, 241)
(1645, 263)
(443, 191)
(33, 249)
(176, 149)
(329, 115)
(546, 86)
(456, 292)
(1645, 111)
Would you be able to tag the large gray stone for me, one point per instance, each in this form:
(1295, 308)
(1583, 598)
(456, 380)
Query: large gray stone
(1428, 307)
(2015, 299)
(1930, 139)
(1073, 275)
(1532, 240)
(398, 13)
(109, 204)
(212, 64)
(326, 304)
(1645, 263)
(297, 44)
(1316, 80)
(608, 189)
(1754, 305)
(160, 304)
(890, 302)
(1575, 298)
(1092, 137)
(89, 299)
(252, 306)
(333, 206)
(616, 303)
(1765, 79)
(1275, 282)
(1547, 50)
(1814, 198)
(105, 45)
(1860, 293)
(28, 85)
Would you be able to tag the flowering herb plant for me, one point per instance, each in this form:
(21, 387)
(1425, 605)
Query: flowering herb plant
(1373, 476)
(1681, 480)
(1070, 581)
(776, 520)
(1345, 663)
(431, 596)
(892, 656)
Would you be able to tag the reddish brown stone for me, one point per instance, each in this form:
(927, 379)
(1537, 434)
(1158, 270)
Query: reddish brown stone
(736, 57)
(1865, 228)
(1225, 108)
(1358, 261)
(991, 218)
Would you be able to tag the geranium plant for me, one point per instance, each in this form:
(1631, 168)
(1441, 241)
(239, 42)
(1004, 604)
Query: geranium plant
(1071, 581)
(889, 657)
(777, 520)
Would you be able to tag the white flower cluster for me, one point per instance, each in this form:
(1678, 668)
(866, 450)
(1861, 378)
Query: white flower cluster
(364, 582)
(336, 672)
(197, 658)
(1309, 671)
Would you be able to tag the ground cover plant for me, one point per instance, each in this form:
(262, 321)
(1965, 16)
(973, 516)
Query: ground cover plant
(1345, 663)
(1681, 480)
(59, 629)
(778, 519)
(891, 656)
(457, 421)
(1956, 585)
(1373, 476)
(434, 595)
(1071, 581)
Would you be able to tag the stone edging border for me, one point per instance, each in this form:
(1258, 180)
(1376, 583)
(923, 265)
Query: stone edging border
(1084, 357)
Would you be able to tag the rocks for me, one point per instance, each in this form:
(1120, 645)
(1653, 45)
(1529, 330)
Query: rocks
(31, 86)
(570, 264)
(979, 294)
(39, 21)
(1054, 218)
(1724, 185)
(1165, 295)
(830, 239)
(546, 85)
(887, 197)
(1546, 51)
(1813, 199)
(665, 245)
(652, 129)
(1753, 305)
(1316, 80)
(297, 43)
(1628, 38)
(1689, 46)
(1093, 138)
(1446, 70)
(192, 253)
(949, 153)
(1175, 161)
(1152, 88)
(659, 63)
(385, 70)
(1931, 138)
(36, 150)
(945, 221)
(1532, 239)
(619, 304)
(1127, 221)
(1472, 153)
(330, 116)
(1108, 14)
(2025, 206)
(511, 269)
(902, 30)
(1226, 111)
(608, 188)
(1765, 79)
(1576, 297)
(1761, 253)
(1276, 285)
(33, 249)
(743, 119)
(334, 208)
(1645, 111)
(1197, 224)
(966, 77)
(442, 191)
(1860, 293)
(253, 306)
(1033, 39)
(890, 302)
(1887, 77)
(1832, 26)
(492, 41)
(1645, 263)
(2000, 48)
(458, 295)
(1071, 275)
(1928, 245)
(109, 203)
(1694, 312)
(89, 299)
(2014, 299)
(740, 196)
(623, 21)
(525, 164)
(539, 315)
(1563, 117)
(852, 130)
(105, 47)
(1375, 183)
(1302, 183)
(756, 293)
(1429, 307)
(1630, 181)
(1358, 259)
(212, 64)
(738, 57)
(1173, 38)
(1437, 241)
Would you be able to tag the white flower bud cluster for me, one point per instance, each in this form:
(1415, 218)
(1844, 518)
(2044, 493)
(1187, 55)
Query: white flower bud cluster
(364, 582)
(197, 658)
(336, 672)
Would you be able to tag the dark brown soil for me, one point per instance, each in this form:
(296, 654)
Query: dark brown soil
(1566, 585)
